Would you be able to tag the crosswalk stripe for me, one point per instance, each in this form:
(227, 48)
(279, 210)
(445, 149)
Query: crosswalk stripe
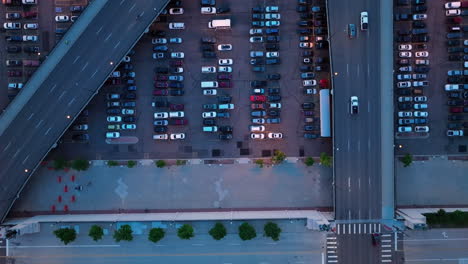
(386, 260)
(386, 245)
(386, 256)
(332, 247)
(380, 226)
(375, 227)
(333, 256)
(386, 250)
(338, 229)
(386, 235)
(331, 238)
(331, 242)
(349, 228)
(359, 229)
(354, 229)
(332, 261)
(365, 229)
(331, 252)
(387, 241)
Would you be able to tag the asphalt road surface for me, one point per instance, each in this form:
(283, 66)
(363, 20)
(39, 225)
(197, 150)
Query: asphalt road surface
(67, 89)
(448, 246)
(356, 71)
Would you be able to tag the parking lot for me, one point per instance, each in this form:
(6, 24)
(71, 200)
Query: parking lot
(279, 102)
(29, 35)
(429, 116)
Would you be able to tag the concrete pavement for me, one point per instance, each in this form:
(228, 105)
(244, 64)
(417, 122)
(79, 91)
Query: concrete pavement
(296, 245)
(179, 187)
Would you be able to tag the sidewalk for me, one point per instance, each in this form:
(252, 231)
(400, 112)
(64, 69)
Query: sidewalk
(194, 187)
(432, 181)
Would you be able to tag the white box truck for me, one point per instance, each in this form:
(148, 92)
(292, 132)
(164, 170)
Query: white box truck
(220, 23)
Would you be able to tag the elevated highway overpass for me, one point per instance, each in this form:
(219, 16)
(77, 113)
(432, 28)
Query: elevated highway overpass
(64, 84)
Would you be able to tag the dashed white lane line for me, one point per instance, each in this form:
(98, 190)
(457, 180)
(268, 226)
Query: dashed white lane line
(47, 132)
(71, 101)
(84, 67)
(99, 30)
(94, 73)
(116, 45)
(77, 57)
(107, 38)
(131, 8)
(53, 88)
(39, 123)
(61, 95)
(29, 118)
(198, 245)
(7, 146)
(121, 2)
(24, 161)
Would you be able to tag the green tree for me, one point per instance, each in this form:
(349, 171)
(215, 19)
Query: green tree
(218, 231)
(407, 160)
(125, 232)
(112, 163)
(309, 161)
(272, 230)
(181, 162)
(160, 163)
(325, 159)
(441, 213)
(156, 234)
(96, 232)
(80, 165)
(278, 157)
(185, 232)
(246, 231)
(131, 163)
(259, 162)
(60, 163)
(66, 235)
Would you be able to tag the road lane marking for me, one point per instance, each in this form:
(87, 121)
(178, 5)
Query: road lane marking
(359, 187)
(332, 242)
(349, 183)
(375, 227)
(234, 244)
(365, 229)
(29, 118)
(7, 146)
(347, 68)
(386, 245)
(387, 241)
(108, 37)
(116, 45)
(349, 145)
(386, 256)
(338, 229)
(27, 157)
(77, 57)
(47, 132)
(358, 70)
(368, 143)
(386, 235)
(434, 239)
(386, 250)
(354, 228)
(60, 97)
(131, 8)
(16, 153)
(71, 101)
(198, 244)
(84, 67)
(332, 238)
(94, 73)
(359, 228)
(359, 146)
(368, 70)
(39, 123)
(388, 260)
(368, 106)
(121, 2)
(349, 225)
(332, 247)
(99, 30)
(380, 226)
(53, 88)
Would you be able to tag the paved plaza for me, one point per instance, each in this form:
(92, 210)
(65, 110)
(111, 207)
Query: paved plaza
(437, 181)
(200, 186)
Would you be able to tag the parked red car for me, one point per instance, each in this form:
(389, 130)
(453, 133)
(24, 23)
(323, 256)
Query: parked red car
(160, 92)
(456, 109)
(224, 76)
(224, 84)
(161, 85)
(178, 122)
(176, 107)
(258, 98)
(176, 63)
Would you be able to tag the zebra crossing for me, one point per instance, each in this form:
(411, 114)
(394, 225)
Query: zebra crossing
(358, 228)
(386, 248)
(332, 249)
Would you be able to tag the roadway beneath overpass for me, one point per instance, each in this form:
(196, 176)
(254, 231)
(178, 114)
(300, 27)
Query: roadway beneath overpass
(363, 143)
(64, 84)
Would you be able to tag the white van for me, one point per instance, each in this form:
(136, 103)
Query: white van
(178, 114)
(364, 21)
(219, 23)
(161, 136)
(208, 69)
(210, 84)
(177, 25)
(226, 106)
(210, 129)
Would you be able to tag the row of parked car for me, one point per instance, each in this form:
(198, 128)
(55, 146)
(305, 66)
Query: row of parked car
(413, 68)
(265, 99)
(312, 31)
(121, 107)
(457, 90)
